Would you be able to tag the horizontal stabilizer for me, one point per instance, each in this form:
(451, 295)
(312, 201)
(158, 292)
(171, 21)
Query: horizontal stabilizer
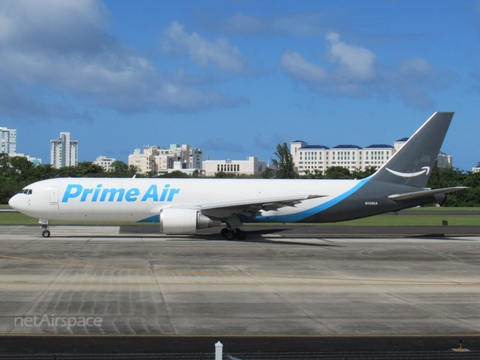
(424, 193)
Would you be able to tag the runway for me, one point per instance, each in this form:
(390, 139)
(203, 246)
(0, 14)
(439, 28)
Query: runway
(269, 285)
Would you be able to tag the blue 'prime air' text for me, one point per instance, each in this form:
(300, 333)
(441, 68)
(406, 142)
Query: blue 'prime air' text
(100, 194)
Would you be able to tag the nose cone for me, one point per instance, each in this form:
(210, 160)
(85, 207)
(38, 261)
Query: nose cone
(13, 202)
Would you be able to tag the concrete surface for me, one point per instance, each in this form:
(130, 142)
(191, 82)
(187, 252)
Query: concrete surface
(270, 284)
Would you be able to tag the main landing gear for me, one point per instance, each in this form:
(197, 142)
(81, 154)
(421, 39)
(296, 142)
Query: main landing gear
(232, 234)
(232, 230)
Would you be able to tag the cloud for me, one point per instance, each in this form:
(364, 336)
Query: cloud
(64, 47)
(412, 77)
(18, 103)
(355, 63)
(54, 25)
(176, 41)
(353, 71)
(298, 67)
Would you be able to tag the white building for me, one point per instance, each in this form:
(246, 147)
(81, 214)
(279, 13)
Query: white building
(444, 160)
(252, 166)
(179, 166)
(162, 161)
(63, 151)
(311, 158)
(8, 141)
(105, 162)
(8, 145)
(376, 155)
(399, 143)
(347, 156)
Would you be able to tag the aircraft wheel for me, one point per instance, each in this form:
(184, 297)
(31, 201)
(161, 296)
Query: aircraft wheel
(241, 235)
(224, 232)
(46, 233)
(229, 235)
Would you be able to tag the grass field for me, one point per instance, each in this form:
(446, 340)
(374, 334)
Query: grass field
(417, 218)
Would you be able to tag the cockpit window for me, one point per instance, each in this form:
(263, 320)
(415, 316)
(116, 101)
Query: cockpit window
(26, 191)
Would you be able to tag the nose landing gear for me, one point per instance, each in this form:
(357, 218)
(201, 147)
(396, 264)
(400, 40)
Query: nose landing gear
(45, 232)
(44, 223)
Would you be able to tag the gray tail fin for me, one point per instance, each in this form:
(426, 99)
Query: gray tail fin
(413, 164)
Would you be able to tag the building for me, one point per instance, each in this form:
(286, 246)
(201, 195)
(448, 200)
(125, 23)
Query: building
(347, 156)
(311, 158)
(376, 155)
(35, 161)
(444, 160)
(196, 157)
(8, 141)
(105, 162)
(63, 151)
(252, 166)
(158, 160)
(179, 166)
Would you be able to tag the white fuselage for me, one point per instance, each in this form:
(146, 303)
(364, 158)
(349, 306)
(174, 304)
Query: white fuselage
(130, 199)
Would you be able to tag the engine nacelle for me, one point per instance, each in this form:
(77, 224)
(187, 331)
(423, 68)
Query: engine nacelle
(184, 221)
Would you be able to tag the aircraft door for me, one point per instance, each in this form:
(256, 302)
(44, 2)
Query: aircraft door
(53, 195)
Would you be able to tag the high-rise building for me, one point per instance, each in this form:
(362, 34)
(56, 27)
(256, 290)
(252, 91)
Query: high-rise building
(8, 141)
(63, 151)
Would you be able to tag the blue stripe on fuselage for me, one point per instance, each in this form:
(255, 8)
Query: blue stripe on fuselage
(310, 212)
(155, 219)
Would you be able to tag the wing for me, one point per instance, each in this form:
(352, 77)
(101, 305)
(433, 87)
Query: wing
(426, 192)
(252, 207)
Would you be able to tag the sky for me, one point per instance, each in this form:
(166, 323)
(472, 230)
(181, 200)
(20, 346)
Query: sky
(236, 78)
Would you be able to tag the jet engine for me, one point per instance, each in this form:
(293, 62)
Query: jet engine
(184, 221)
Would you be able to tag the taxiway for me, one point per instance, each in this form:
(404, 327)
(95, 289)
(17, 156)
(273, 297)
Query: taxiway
(271, 284)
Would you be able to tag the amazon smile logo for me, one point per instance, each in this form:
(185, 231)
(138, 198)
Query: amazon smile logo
(425, 170)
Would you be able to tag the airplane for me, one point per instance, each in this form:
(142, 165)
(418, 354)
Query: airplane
(182, 206)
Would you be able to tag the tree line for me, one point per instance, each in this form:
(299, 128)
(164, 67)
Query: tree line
(17, 172)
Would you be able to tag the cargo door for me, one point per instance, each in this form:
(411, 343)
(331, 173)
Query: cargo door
(53, 195)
